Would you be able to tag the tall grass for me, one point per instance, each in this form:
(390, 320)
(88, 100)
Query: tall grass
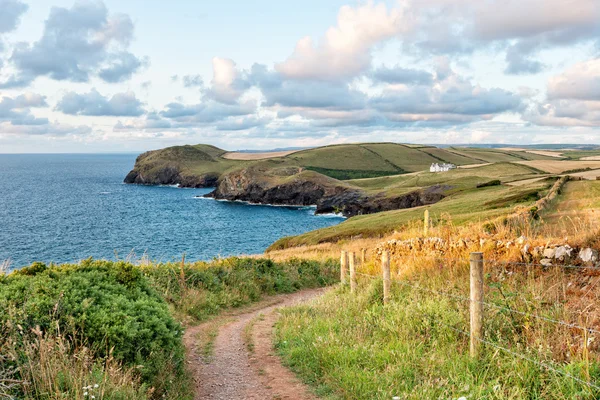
(354, 347)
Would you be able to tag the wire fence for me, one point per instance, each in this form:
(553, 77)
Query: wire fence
(477, 304)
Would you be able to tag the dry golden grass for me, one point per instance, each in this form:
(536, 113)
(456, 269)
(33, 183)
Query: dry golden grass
(469, 166)
(525, 181)
(58, 369)
(588, 175)
(546, 153)
(559, 166)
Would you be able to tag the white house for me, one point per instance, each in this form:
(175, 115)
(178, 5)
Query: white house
(441, 167)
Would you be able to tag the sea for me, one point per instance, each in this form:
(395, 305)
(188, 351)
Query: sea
(62, 208)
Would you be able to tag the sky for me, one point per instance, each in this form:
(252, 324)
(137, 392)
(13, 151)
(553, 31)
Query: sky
(129, 76)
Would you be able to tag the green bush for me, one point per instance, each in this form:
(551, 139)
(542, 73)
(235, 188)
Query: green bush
(104, 305)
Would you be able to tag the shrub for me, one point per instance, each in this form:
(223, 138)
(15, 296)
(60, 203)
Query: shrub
(108, 307)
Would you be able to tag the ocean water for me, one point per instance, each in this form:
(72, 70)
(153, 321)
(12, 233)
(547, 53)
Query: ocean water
(64, 208)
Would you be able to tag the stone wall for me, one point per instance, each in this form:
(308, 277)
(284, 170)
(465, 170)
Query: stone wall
(547, 255)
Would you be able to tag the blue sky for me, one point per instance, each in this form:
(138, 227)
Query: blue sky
(103, 76)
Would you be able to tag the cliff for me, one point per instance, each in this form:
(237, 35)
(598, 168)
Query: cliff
(187, 166)
(296, 186)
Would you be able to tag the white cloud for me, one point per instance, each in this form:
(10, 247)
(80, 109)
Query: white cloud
(345, 51)
(94, 104)
(573, 98)
(580, 81)
(77, 43)
(227, 85)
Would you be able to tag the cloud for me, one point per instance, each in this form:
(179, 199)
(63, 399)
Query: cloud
(122, 67)
(16, 111)
(408, 97)
(48, 129)
(94, 104)
(279, 91)
(398, 74)
(453, 100)
(240, 124)
(581, 81)
(206, 112)
(76, 44)
(10, 15)
(345, 51)
(523, 28)
(519, 63)
(193, 81)
(573, 98)
(16, 118)
(228, 83)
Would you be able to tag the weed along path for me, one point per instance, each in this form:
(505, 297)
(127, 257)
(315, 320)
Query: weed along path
(232, 356)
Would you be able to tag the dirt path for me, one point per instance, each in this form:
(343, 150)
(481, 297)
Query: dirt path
(243, 364)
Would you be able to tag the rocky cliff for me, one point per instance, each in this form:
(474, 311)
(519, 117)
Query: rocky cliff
(295, 186)
(171, 167)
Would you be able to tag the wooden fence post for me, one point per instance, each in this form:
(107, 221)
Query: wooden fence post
(385, 266)
(426, 223)
(363, 257)
(476, 308)
(351, 259)
(343, 266)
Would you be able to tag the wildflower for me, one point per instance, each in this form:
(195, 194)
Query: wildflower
(85, 393)
(96, 386)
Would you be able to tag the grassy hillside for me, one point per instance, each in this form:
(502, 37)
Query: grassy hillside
(471, 205)
(348, 161)
(469, 199)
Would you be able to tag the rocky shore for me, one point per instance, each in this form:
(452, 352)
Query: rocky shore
(297, 187)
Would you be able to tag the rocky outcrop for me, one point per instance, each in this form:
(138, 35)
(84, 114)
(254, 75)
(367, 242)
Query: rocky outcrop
(165, 167)
(294, 186)
(170, 175)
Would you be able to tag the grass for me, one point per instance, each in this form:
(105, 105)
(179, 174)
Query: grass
(461, 178)
(561, 166)
(467, 206)
(576, 208)
(119, 326)
(496, 155)
(248, 330)
(354, 347)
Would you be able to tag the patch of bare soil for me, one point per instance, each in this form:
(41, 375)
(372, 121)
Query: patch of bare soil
(230, 372)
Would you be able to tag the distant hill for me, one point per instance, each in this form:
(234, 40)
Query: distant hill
(359, 178)
(201, 165)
